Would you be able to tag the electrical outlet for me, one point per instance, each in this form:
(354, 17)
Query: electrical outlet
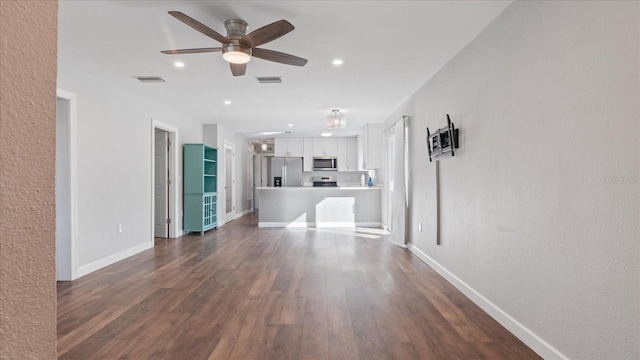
(119, 228)
(420, 227)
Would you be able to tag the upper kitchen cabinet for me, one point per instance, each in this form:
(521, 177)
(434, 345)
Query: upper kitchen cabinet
(325, 147)
(347, 154)
(371, 144)
(292, 147)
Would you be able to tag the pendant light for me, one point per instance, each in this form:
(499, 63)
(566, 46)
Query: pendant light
(336, 120)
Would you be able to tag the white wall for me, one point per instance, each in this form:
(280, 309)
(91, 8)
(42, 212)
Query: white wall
(540, 209)
(114, 166)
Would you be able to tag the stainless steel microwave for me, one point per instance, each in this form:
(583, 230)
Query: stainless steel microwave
(327, 163)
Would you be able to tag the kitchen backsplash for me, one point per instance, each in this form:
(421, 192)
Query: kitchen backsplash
(344, 177)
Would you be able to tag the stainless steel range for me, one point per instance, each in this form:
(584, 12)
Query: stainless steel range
(325, 181)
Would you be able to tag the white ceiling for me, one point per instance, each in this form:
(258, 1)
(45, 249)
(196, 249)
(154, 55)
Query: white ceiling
(389, 49)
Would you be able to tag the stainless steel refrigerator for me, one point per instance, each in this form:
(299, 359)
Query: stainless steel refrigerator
(286, 172)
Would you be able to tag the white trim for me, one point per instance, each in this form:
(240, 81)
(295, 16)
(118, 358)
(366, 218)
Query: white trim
(248, 211)
(174, 213)
(73, 176)
(112, 259)
(304, 224)
(535, 342)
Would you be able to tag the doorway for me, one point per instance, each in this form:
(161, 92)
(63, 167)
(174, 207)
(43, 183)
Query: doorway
(249, 180)
(161, 184)
(229, 181)
(164, 167)
(65, 186)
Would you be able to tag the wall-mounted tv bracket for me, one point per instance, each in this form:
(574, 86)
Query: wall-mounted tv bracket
(442, 141)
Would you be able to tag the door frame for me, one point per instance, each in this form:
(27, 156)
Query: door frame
(72, 272)
(232, 146)
(173, 172)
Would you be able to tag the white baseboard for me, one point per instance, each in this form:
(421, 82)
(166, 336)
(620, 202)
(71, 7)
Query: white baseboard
(97, 265)
(527, 336)
(235, 217)
(304, 224)
(239, 215)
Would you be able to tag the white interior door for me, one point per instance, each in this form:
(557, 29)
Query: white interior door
(257, 180)
(161, 184)
(250, 187)
(229, 180)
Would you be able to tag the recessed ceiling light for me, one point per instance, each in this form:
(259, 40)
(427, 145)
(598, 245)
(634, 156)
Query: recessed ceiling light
(290, 125)
(227, 102)
(267, 133)
(325, 134)
(337, 62)
(178, 64)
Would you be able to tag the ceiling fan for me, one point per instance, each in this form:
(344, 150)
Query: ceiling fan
(238, 48)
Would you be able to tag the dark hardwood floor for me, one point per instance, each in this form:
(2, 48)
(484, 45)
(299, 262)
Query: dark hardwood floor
(241, 292)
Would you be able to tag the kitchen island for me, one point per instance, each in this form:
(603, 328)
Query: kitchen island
(343, 206)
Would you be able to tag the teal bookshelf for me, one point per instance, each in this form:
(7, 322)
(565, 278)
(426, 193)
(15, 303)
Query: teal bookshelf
(200, 191)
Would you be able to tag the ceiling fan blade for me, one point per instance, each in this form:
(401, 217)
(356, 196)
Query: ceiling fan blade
(238, 69)
(191, 51)
(199, 26)
(278, 57)
(267, 33)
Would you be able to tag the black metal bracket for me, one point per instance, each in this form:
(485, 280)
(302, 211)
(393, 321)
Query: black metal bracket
(442, 141)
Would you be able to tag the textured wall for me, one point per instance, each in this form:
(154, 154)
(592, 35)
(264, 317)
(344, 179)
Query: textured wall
(539, 209)
(28, 38)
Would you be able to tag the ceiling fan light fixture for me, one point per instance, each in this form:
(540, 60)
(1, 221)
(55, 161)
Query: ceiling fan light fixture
(238, 46)
(336, 120)
(236, 54)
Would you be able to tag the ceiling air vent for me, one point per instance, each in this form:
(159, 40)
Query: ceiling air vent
(269, 79)
(150, 79)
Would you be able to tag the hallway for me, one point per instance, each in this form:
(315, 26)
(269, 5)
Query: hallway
(243, 292)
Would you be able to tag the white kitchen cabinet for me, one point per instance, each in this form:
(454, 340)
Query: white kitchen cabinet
(371, 143)
(325, 147)
(307, 154)
(347, 154)
(291, 147)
